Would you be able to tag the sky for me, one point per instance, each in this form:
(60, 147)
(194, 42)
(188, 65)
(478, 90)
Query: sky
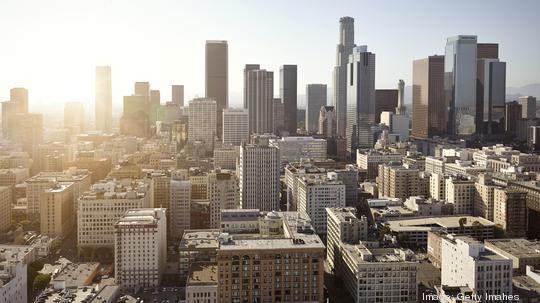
(52, 47)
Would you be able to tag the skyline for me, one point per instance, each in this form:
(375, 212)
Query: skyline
(164, 61)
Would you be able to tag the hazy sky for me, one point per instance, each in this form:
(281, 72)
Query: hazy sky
(52, 47)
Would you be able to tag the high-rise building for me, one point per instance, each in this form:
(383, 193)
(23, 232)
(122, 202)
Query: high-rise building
(288, 88)
(140, 248)
(360, 99)
(467, 262)
(429, 114)
(397, 181)
(103, 108)
(490, 89)
(135, 119)
(225, 156)
(74, 117)
(216, 77)
(386, 100)
(5, 207)
(315, 193)
(460, 191)
(180, 205)
(327, 122)
(513, 112)
(235, 126)
(177, 93)
(315, 99)
(26, 129)
(293, 149)
(259, 171)
(528, 107)
(343, 50)
(460, 84)
(14, 272)
(57, 210)
(222, 194)
(510, 211)
(259, 99)
(202, 121)
(19, 95)
(279, 116)
(142, 89)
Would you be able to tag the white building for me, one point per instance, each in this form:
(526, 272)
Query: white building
(466, 262)
(259, 173)
(460, 192)
(437, 186)
(317, 192)
(140, 247)
(202, 121)
(100, 208)
(398, 124)
(14, 260)
(292, 149)
(343, 227)
(235, 126)
(222, 191)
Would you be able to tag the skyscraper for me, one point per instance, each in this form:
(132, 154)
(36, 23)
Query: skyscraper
(259, 171)
(460, 84)
(235, 126)
(74, 117)
(528, 107)
(343, 50)
(315, 99)
(288, 88)
(327, 122)
(360, 99)
(429, 109)
(177, 94)
(19, 95)
(142, 89)
(259, 99)
(216, 77)
(135, 119)
(279, 119)
(103, 99)
(386, 100)
(202, 121)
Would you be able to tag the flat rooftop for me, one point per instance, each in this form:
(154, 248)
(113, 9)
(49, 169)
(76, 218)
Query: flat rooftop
(199, 239)
(520, 248)
(202, 274)
(429, 223)
(77, 274)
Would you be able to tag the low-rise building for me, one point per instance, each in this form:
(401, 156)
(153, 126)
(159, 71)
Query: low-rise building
(202, 283)
(522, 252)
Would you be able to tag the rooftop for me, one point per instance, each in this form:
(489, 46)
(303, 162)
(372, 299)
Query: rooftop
(521, 248)
(429, 223)
(199, 239)
(202, 274)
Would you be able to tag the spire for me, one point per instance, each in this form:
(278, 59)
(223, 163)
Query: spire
(400, 109)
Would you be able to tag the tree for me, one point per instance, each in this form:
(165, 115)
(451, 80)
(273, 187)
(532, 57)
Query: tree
(41, 281)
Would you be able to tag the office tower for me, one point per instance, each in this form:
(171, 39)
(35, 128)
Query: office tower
(102, 206)
(315, 193)
(216, 77)
(74, 117)
(57, 210)
(360, 99)
(510, 211)
(343, 226)
(222, 194)
(155, 97)
(528, 107)
(429, 114)
(202, 121)
(140, 248)
(400, 109)
(225, 156)
(9, 109)
(327, 122)
(259, 171)
(135, 119)
(5, 208)
(467, 262)
(343, 50)
(289, 239)
(288, 88)
(490, 90)
(293, 149)
(279, 116)
(235, 126)
(142, 89)
(513, 112)
(103, 108)
(315, 99)
(180, 206)
(259, 99)
(26, 129)
(19, 95)
(386, 100)
(460, 84)
(177, 92)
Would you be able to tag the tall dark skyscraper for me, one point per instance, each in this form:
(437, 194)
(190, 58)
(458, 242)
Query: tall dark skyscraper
(460, 84)
(490, 89)
(103, 99)
(386, 100)
(360, 99)
(315, 99)
(288, 87)
(343, 51)
(259, 99)
(429, 106)
(216, 77)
